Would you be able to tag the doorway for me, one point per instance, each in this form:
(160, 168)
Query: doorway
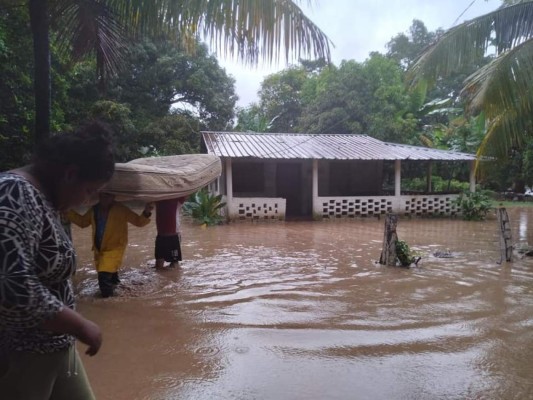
(290, 185)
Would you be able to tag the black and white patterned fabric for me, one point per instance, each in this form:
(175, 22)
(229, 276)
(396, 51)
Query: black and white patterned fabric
(37, 260)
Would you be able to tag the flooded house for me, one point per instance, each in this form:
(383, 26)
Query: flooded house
(327, 176)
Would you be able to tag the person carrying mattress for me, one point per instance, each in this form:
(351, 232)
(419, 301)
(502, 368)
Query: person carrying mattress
(109, 221)
(167, 242)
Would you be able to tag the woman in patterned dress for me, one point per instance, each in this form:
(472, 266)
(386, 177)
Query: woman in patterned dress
(38, 321)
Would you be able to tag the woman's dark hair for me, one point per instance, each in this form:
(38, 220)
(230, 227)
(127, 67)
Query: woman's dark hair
(88, 148)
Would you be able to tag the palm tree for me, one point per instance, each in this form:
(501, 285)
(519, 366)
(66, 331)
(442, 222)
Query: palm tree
(501, 89)
(39, 22)
(250, 30)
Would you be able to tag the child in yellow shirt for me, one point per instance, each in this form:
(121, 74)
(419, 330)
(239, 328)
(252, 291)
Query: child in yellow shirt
(109, 221)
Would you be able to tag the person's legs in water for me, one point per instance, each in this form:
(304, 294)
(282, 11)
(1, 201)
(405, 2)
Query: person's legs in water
(175, 252)
(167, 249)
(105, 283)
(115, 279)
(159, 252)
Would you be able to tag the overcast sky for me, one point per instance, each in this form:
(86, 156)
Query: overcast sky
(358, 27)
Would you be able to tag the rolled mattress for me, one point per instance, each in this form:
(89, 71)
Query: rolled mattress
(161, 178)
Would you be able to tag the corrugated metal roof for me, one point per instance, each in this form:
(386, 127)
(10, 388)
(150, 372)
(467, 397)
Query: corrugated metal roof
(328, 147)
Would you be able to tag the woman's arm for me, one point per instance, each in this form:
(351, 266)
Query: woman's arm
(70, 322)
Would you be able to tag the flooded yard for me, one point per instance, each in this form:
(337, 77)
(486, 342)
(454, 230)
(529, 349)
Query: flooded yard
(302, 310)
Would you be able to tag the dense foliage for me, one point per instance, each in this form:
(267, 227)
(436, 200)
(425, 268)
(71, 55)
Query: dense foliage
(403, 253)
(500, 89)
(371, 98)
(204, 207)
(163, 96)
(157, 103)
(474, 206)
(17, 100)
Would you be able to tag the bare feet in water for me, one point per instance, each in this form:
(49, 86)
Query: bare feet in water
(160, 265)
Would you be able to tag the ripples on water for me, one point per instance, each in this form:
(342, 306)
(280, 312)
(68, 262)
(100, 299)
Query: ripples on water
(303, 311)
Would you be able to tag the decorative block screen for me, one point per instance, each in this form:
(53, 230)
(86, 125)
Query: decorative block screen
(432, 205)
(242, 209)
(258, 209)
(352, 207)
(363, 206)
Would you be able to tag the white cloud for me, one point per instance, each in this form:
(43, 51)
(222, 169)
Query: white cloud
(358, 27)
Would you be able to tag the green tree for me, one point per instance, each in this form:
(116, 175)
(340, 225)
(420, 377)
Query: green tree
(501, 89)
(163, 92)
(359, 98)
(16, 91)
(172, 134)
(246, 28)
(17, 102)
(388, 101)
(404, 48)
(252, 119)
(156, 75)
(334, 102)
(161, 78)
(280, 99)
(119, 117)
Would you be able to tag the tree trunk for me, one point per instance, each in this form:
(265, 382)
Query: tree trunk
(40, 20)
(388, 253)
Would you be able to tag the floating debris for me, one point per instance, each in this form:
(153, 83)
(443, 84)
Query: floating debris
(443, 254)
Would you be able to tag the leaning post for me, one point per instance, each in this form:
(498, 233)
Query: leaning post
(506, 246)
(388, 253)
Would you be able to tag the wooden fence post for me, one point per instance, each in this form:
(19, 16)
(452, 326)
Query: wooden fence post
(506, 247)
(388, 253)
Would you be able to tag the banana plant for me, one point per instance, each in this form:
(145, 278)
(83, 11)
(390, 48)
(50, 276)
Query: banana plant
(205, 207)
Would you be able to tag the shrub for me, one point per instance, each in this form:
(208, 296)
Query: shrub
(438, 184)
(474, 206)
(403, 253)
(204, 207)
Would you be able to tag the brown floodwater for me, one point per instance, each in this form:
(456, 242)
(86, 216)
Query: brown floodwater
(301, 310)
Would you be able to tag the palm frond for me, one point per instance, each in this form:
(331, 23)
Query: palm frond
(502, 30)
(503, 134)
(248, 29)
(503, 90)
(426, 141)
(501, 138)
(251, 30)
(503, 84)
(85, 27)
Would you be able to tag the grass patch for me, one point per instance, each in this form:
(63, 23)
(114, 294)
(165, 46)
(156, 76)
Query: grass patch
(510, 203)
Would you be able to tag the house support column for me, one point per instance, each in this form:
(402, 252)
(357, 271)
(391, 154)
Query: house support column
(229, 187)
(428, 176)
(397, 185)
(472, 176)
(397, 178)
(315, 190)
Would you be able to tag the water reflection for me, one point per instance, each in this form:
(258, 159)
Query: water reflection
(303, 311)
(522, 227)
